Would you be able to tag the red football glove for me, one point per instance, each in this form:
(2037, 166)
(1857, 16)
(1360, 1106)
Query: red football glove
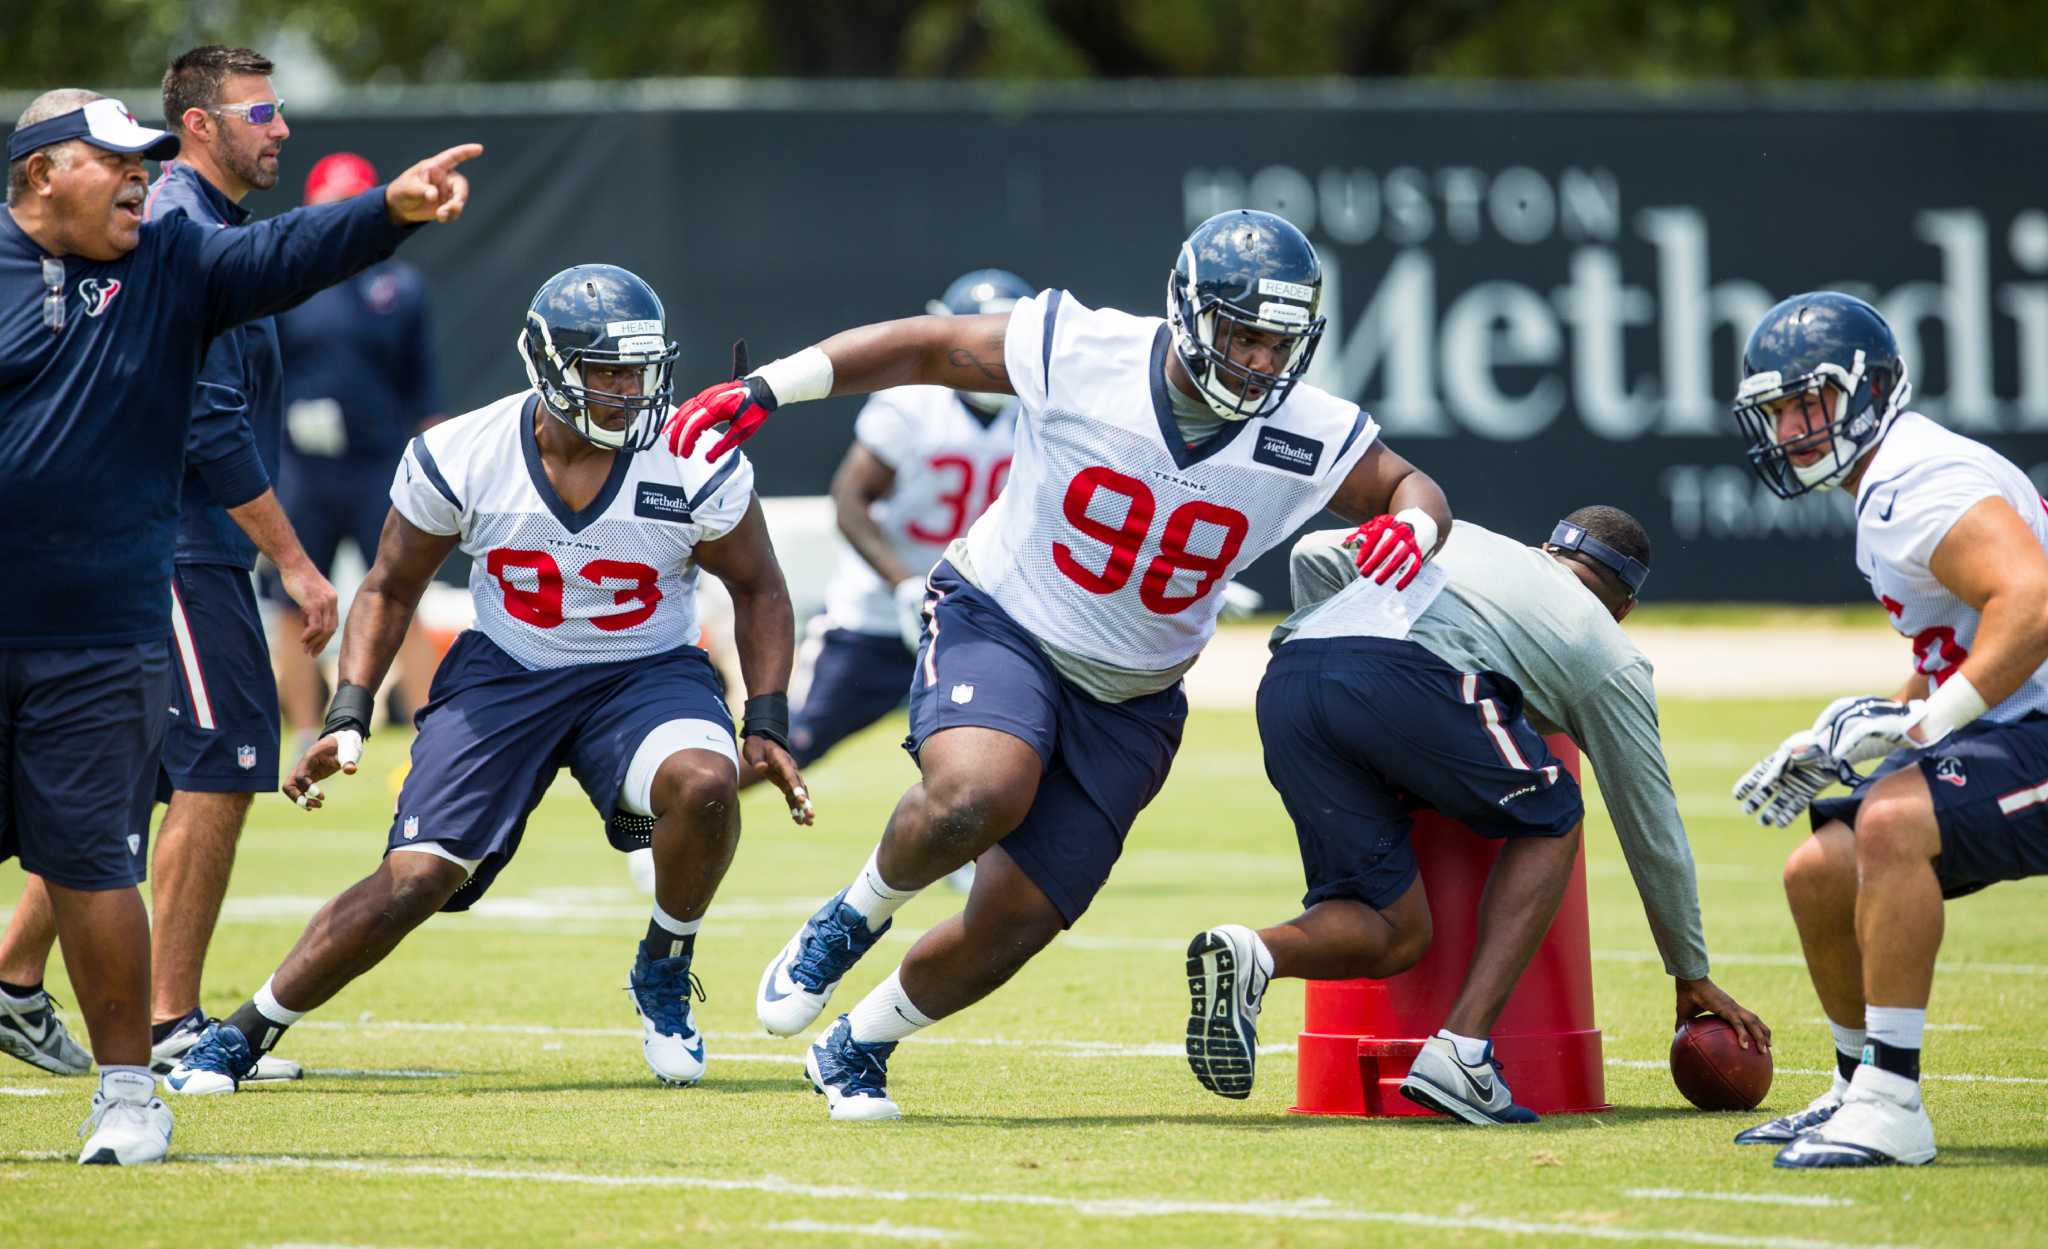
(741, 405)
(1388, 545)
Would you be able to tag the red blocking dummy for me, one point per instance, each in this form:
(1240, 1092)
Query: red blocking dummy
(1360, 1035)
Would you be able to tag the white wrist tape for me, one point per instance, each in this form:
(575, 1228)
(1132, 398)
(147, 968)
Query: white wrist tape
(805, 375)
(1424, 526)
(1949, 708)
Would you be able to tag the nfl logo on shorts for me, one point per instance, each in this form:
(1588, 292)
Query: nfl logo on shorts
(412, 827)
(246, 757)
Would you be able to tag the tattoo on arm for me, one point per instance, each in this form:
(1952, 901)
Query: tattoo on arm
(995, 371)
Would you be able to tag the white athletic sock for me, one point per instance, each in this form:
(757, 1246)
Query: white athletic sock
(885, 1014)
(1471, 1050)
(1848, 1041)
(874, 898)
(127, 1084)
(267, 1005)
(1900, 1027)
(676, 927)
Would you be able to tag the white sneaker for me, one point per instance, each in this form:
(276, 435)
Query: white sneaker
(854, 1077)
(31, 1031)
(661, 990)
(126, 1130)
(1881, 1122)
(1785, 1129)
(1441, 1081)
(1226, 984)
(166, 1054)
(796, 986)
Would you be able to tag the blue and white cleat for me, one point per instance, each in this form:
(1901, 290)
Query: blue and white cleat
(35, 1035)
(132, 1128)
(217, 1063)
(164, 1055)
(661, 990)
(1225, 987)
(797, 985)
(1785, 1129)
(854, 1077)
(1881, 1123)
(1439, 1080)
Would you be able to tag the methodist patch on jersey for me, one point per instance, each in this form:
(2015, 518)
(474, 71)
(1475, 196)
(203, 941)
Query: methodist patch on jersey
(658, 502)
(1293, 452)
(624, 329)
(1286, 290)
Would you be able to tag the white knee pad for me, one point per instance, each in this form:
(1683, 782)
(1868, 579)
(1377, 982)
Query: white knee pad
(636, 792)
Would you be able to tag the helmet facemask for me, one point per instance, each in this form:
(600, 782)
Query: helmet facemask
(557, 374)
(1865, 401)
(1205, 327)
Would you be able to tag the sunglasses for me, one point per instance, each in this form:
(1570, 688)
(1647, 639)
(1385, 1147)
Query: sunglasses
(53, 295)
(255, 114)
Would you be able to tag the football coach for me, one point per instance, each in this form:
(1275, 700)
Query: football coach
(104, 319)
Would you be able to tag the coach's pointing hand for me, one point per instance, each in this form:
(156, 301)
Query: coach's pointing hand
(431, 190)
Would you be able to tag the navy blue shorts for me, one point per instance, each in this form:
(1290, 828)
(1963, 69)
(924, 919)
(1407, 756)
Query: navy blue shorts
(223, 732)
(80, 731)
(494, 734)
(1103, 761)
(328, 501)
(1360, 733)
(856, 679)
(1990, 787)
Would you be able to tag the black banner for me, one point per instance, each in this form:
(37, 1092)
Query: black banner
(1541, 300)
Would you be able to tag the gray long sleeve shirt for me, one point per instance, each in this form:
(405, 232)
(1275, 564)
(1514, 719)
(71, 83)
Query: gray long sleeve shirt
(1513, 609)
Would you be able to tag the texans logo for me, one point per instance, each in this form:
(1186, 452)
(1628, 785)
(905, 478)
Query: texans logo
(97, 294)
(1951, 771)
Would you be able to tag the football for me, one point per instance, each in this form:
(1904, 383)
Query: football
(1712, 1069)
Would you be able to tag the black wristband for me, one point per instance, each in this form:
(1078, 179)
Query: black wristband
(764, 398)
(350, 709)
(767, 715)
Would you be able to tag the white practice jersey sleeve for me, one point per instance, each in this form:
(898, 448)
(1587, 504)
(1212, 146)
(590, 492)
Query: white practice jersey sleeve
(1114, 538)
(1921, 480)
(553, 586)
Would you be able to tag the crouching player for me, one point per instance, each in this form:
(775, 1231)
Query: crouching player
(586, 560)
(1441, 700)
(1951, 537)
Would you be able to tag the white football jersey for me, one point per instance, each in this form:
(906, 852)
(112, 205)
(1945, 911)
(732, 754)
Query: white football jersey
(554, 587)
(1920, 481)
(1114, 540)
(950, 464)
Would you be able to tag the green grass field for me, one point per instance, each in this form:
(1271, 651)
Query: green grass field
(484, 1087)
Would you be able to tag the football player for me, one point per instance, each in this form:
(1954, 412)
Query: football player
(1499, 644)
(1951, 537)
(1154, 458)
(586, 562)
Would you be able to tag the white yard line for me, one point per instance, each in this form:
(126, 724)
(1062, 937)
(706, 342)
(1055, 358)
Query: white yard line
(28, 1092)
(1752, 1199)
(1946, 1077)
(1306, 1210)
(884, 1230)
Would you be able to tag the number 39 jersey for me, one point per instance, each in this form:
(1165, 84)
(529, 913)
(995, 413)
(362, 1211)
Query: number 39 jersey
(555, 587)
(1114, 540)
(950, 462)
(1920, 481)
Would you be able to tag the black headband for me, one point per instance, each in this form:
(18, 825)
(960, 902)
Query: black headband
(1632, 571)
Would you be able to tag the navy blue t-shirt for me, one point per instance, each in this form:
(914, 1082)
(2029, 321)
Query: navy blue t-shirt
(360, 351)
(231, 451)
(93, 417)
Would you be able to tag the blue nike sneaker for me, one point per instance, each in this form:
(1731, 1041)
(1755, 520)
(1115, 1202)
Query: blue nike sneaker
(1785, 1129)
(796, 986)
(853, 1076)
(661, 989)
(217, 1063)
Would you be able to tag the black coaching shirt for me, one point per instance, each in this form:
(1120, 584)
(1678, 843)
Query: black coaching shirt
(94, 416)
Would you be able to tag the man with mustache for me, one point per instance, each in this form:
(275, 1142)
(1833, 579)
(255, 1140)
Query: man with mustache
(105, 320)
(220, 748)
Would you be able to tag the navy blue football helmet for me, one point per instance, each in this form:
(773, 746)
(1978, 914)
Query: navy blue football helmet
(983, 291)
(600, 314)
(1244, 270)
(1838, 349)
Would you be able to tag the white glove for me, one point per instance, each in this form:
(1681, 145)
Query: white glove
(1240, 601)
(910, 610)
(1780, 787)
(1861, 730)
